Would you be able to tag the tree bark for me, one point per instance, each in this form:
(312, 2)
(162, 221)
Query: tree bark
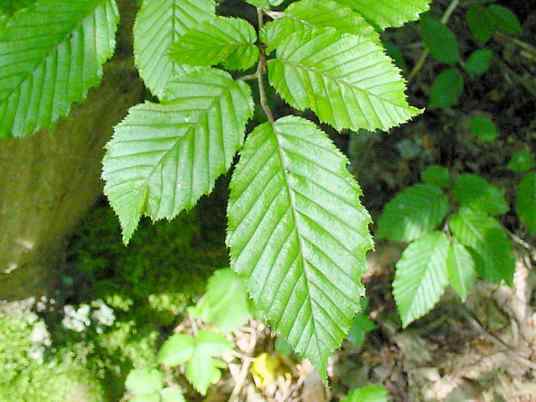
(48, 181)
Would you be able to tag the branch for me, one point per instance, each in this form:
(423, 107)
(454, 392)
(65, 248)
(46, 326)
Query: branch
(261, 70)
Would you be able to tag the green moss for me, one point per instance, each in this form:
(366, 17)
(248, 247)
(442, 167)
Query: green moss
(63, 376)
(156, 276)
(148, 284)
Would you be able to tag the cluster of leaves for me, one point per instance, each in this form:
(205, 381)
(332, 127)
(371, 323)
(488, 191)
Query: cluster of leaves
(454, 238)
(483, 22)
(224, 308)
(296, 229)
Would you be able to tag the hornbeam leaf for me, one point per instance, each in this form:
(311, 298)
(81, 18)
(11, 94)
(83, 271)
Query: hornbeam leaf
(413, 212)
(487, 240)
(164, 157)
(158, 25)
(461, 269)
(307, 15)
(299, 235)
(220, 40)
(389, 13)
(51, 54)
(421, 276)
(346, 80)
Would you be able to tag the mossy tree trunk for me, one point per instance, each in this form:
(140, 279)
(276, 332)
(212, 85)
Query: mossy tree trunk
(48, 181)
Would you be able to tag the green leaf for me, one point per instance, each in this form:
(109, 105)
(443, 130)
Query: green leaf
(368, 393)
(265, 4)
(526, 202)
(505, 20)
(388, 13)
(202, 370)
(361, 326)
(308, 15)
(461, 269)
(413, 212)
(436, 175)
(164, 157)
(51, 55)
(197, 352)
(475, 192)
(230, 41)
(225, 303)
(177, 349)
(10, 7)
(172, 395)
(522, 161)
(158, 25)
(299, 234)
(484, 128)
(440, 40)
(152, 397)
(479, 62)
(421, 276)
(346, 80)
(144, 381)
(446, 89)
(490, 246)
(481, 22)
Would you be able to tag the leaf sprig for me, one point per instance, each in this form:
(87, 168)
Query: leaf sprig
(297, 231)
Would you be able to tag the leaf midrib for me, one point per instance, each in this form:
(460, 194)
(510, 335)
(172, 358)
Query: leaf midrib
(301, 246)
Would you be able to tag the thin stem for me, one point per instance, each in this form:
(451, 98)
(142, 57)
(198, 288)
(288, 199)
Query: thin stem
(261, 70)
(424, 55)
(249, 77)
(274, 14)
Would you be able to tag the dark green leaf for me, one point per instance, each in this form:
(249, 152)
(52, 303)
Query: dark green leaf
(436, 175)
(440, 40)
(522, 161)
(505, 20)
(483, 128)
(446, 89)
(481, 23)
(475, 192)
(479, 62)
(526, 202)
(413, 212)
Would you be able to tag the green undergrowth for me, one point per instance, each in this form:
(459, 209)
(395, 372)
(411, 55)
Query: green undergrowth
(147, 285)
